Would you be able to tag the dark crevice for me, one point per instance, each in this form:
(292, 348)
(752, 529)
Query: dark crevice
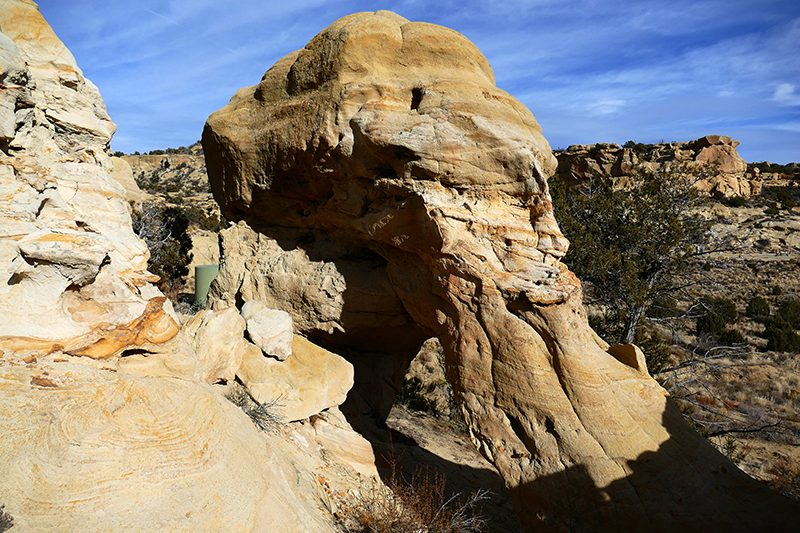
(416, 98)
(135, 351)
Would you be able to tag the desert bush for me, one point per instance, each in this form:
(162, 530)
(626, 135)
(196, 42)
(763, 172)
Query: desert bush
(790, 311)
(757, 307)
(785, 197)
(785, 478)
(729, 337)
(412, 395)
(736, 201)
(420, 505)
(639, 148)
(6, 520)
(266, 416)
(655, 349)
(206, 220)
(715, 313)
(164, 229)
(780, 335)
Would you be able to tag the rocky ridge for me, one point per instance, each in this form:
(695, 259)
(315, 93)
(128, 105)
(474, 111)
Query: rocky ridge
(578, 161)
(386, 191)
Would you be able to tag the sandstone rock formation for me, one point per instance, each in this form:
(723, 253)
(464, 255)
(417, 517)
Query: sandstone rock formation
(269, 329)
(388, 191)
(578, 161)
(109, 419)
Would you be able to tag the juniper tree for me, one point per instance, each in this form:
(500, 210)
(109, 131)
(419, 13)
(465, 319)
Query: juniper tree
(632, 239)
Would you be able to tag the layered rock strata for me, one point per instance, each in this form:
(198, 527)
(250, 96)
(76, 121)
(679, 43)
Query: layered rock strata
(388, 191)
(111, 416)
(578, 162)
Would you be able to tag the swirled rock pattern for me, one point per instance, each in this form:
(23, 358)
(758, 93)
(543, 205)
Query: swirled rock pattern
(109, 421)
(411, 192)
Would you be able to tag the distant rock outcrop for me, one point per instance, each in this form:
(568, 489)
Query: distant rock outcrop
(388, 191)
(578, 161)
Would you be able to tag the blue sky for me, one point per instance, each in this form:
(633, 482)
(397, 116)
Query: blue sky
(589, 70)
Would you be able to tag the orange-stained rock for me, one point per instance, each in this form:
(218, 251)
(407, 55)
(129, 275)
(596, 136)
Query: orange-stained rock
(72, 272)
(383, 158)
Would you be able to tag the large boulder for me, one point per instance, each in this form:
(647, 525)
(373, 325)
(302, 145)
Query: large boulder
(383, 159)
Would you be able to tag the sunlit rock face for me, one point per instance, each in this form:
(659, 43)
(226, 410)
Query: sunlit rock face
(386, 191)
(108, 417)
(71, 268)
(718, 152)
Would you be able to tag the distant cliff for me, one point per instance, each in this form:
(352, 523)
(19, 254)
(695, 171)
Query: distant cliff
(578, 161)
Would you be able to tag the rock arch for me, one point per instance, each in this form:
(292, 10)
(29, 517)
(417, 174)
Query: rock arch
(387, 190)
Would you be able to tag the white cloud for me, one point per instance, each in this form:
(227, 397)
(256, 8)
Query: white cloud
(785, 95)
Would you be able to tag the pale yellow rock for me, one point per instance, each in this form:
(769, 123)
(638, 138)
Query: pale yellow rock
(271, 330)
(309, 382)
(577, 162)
(123, 174)
(96, 451)
(217, 338)
(383, 155)
(72, 268)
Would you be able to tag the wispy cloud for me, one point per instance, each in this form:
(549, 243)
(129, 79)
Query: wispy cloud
(589, 70)
(163, 17)
(785, 95)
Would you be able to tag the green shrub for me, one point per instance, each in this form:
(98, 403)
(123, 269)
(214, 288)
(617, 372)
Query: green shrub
(639, 148)
(757, 307)
(785, 197)
(790, 311)
(716, 313)
(780, 336)
(655, 349)
(736, 201)
(776, 290)
(731, 336)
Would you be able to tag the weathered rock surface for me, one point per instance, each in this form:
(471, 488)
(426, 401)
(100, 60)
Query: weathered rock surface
(123, 174)
(112, 452)
(382, 161)
(578, 161)
(108, 419)
(72, 268)
(271, 330)
(309, 382)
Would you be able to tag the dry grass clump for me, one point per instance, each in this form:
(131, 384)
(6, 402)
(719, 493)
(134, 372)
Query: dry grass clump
(266, 416)
(420, 505)
(6, 521)
(785, 478)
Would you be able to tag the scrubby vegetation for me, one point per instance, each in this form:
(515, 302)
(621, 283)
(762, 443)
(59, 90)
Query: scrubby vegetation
(633, 244)
(6, 521)
(165, 230)
(757, 308)
(420, 504)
